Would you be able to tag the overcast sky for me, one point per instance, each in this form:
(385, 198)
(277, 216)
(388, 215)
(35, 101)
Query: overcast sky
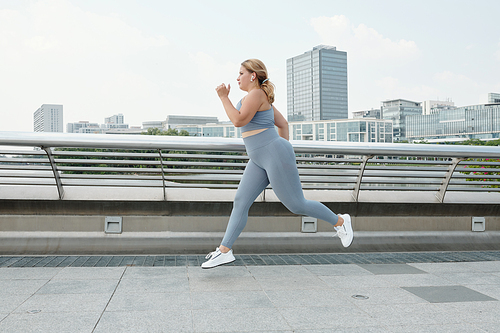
(149, 59)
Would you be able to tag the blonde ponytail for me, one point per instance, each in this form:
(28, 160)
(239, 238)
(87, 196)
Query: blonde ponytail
(256, 66)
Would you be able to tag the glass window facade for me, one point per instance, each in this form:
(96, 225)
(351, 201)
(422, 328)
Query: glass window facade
(473, 122)
(398, 110)
(351, 130)
(317, 85)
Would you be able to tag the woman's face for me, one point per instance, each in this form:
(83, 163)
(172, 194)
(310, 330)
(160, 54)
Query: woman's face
(244, 79)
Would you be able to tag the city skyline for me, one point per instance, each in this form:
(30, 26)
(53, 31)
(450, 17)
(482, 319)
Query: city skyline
(152, 59)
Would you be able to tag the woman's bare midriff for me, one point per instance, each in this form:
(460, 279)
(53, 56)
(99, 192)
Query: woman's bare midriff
(252, 132)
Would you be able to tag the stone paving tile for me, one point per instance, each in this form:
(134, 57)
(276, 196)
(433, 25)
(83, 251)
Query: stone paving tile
(364, 329)
(153, 285)
(485, 266)
(219, 272)
(380, 295)
(20, 287)
(309, 298)
(230, 299)
(277, 271)
(450, 328)
(410, 314)
(227, 284)
(470, 278)
(342, 270)
(154, 272)
(150, 301)
(443, 294)
(79, 287)
(386, 269)
(342, 282)
(28, 273)
(326, 317)
(472, 312)
(65, 303)
(62, 322)
(230, 320)
(487, 327)
(174, 320)
(291, 283)
(415, 280)
(9, 302)
(451, 267)
(487, 289)
(83, 273)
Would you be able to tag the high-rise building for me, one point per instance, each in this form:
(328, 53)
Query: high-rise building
(317, 85)
(397, 110)
(48, 118)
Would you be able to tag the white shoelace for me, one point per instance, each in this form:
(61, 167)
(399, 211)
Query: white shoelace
(210, 255)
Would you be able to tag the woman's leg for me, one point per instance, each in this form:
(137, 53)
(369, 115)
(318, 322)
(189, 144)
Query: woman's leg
(282, 172)
(253, 182)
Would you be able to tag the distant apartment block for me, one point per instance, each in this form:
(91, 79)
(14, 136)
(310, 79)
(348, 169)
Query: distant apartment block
(48, 118)
(397, 110)
(317, 85)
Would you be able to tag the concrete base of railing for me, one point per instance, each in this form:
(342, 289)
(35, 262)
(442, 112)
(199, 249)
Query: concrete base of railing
(162, 243)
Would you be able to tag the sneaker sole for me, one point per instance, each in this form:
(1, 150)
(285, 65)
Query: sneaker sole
(218, 264)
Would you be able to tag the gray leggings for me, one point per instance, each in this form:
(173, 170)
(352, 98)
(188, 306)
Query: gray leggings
(272, 160)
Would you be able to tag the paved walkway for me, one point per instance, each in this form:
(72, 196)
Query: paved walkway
(440, 294)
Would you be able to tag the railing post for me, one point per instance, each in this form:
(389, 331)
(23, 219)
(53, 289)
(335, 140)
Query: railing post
(54, 170)
(355, 193)
(162, 176)
(447, 177)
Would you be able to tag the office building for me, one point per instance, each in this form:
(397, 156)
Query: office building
(83, 127)
(173, 121)
(373, 113)
(468, 122)
(428, 106)
(344, 130)
(493, 98)
(48, 118)
(317, 85)
(397, 110)
(152, 124)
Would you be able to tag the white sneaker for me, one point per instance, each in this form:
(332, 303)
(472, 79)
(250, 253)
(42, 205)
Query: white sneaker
(218, 258)
(345, 232)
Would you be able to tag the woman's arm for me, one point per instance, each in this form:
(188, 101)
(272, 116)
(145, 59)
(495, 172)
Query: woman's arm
(281, 123)
(253, 102)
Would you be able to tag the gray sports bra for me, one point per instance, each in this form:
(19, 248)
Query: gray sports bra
(262, 119)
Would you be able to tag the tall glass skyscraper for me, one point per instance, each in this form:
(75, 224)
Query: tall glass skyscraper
(317, 85)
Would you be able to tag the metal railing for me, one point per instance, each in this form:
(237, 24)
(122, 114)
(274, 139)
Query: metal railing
(67, 160)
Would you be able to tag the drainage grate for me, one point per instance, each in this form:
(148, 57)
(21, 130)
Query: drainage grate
(250, 259)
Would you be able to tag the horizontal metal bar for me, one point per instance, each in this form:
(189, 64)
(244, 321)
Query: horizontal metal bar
(145, 142)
